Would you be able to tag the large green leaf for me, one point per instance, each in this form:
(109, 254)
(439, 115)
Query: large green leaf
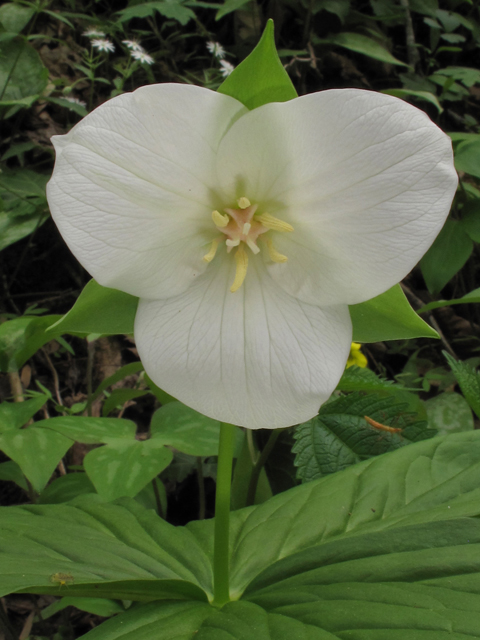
(448, 413)
(14, 415)
(467, 156)
(446, 256)
(90, 430)
(14, 17)
(22, 75)
(388, 317)
(21, 337)
(99, 310)
(260, 78)
(364, 45)
(469, 381)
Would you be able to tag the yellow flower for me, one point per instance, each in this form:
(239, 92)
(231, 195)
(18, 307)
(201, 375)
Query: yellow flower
(356, 356)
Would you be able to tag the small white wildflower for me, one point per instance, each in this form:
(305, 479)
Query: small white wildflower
(133, 45)
(93, 33)
(226, 68)
(103, 45)
(216, 49)
(76, 101)
(142, 57)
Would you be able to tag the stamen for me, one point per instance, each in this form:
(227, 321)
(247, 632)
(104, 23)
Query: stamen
(241, 259)
(243, 203)
(246, 228)
(208, 257)
(270, 222)
(251, 244)
(275, 256)
(219, 219)
(232, 243)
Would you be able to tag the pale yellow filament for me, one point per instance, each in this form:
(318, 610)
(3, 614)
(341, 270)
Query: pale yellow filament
(241, 258)
(275, 256)
(270, 222)
(219, 219)
(208, 257)
(243, 203)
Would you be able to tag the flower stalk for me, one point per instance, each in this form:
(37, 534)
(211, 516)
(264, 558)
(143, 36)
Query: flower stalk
(221, 559)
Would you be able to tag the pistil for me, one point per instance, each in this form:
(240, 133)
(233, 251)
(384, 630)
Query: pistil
(243, 227)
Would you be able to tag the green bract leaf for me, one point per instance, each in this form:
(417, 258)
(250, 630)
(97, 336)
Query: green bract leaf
(341, 435)
(446, 256)
(260, 78)
(469, 381)
(364, 45)
(99, 310)
(388, 317)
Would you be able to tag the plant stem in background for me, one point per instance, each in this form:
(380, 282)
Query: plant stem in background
(259, 464)
(221, 592)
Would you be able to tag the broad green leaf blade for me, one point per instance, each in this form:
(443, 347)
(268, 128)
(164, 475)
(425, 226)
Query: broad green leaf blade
(432, 480)
(449, 413)
(388, 317)
(12, 472)
(14, 17)
(158, 620)
(66, 488)
(21, 338)
(22, 74)
(342, 435)
(14, 415)
(36, 451)
(119, 397)
(100, 310)
(184, 429)
(473, 296)
(97, 606)
(122, 468)
(467, 156)
(364, 45)
(119, 552)
(446, 256)
(424, 96)
(90, 430)
(469, 381)
(260, 78)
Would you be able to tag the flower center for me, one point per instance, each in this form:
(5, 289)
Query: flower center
(243, 227)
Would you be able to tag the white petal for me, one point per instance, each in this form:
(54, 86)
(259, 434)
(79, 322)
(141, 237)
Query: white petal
(134, 186)
(257, 358)
(365, 179)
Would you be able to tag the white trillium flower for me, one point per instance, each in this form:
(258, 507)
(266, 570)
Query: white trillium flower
(226, 68)
(246, 234)
(102, 44)
(142, 57)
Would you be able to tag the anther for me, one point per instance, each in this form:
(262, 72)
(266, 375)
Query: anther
(275, 256)
(241, 258)
(219, 219)
(270, 222)
(208, 257)
(243, 203)
(232, 243)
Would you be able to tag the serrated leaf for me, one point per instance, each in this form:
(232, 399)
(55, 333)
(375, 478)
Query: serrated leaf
(341, 435)
(261, 77)
(468, 380)
(362, 379)
(99, 310)
(388, 316)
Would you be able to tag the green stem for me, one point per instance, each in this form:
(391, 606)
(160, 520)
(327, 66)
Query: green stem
(221, 590)
(258, 466)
